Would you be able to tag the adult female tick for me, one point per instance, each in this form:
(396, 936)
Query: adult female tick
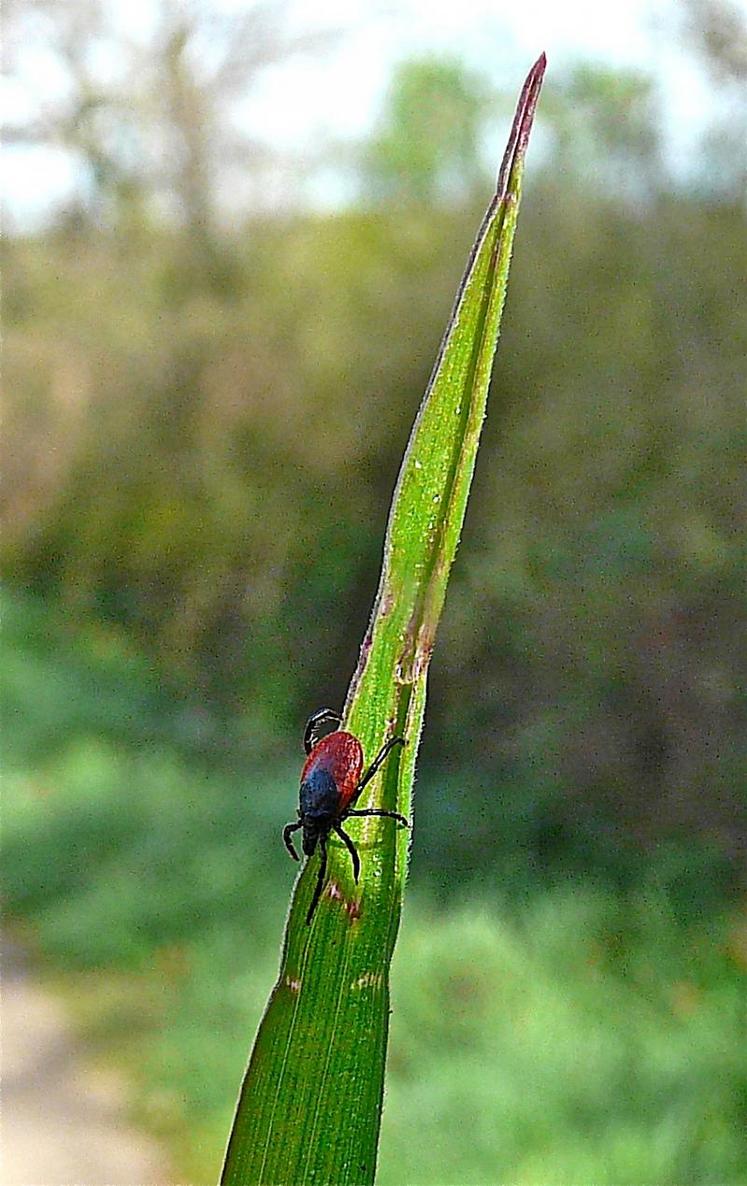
(331, 782)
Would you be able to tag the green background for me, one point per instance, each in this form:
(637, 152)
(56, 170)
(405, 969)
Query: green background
(202, 441)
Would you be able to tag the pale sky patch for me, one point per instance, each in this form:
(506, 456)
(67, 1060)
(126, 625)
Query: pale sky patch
(304, 103)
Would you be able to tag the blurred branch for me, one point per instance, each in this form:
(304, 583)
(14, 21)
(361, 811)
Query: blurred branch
(70, 32)
(718, 30)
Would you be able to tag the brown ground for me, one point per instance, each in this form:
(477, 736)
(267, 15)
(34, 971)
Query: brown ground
(62, 1122)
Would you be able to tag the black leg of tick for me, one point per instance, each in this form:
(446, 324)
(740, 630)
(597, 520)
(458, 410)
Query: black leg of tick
(288, 831)
(380, 811)
(351, 849)
(317, 720)
(378, 761)
(320, 878)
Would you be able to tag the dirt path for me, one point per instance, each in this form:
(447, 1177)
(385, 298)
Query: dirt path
(62, 1123)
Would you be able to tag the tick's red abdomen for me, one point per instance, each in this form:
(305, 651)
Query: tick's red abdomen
(341, 755)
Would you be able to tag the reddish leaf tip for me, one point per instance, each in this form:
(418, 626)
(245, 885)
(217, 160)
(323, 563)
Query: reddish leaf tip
(522, 125)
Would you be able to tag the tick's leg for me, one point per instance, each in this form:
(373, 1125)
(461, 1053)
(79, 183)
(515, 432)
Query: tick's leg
(351, 849)
(380, 811)
(322, 716)
(288, 831)
(320, 878)
(378, 761)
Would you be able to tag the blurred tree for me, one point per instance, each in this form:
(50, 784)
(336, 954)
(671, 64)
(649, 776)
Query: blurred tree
(84, 112)
(427, 146)
(605, 132)
(146, 107)
(717, 29)
(214, 478)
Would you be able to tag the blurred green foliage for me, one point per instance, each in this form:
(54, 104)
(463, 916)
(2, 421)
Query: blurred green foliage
(427, 148)
(212, 474)
(570, 1032)
(200, 455)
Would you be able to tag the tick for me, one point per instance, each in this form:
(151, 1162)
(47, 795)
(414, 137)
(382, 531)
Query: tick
(331, 783)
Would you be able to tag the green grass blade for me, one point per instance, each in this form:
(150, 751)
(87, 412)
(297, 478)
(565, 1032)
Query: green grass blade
(310, 1104)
